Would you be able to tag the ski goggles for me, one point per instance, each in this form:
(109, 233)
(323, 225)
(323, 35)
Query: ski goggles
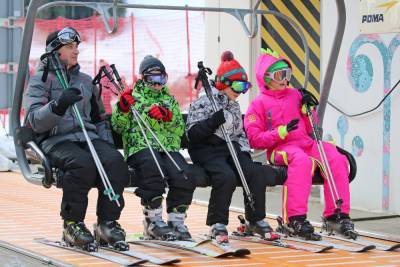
(240, 87)
(64, 37)
(279, 75)
(156, 79)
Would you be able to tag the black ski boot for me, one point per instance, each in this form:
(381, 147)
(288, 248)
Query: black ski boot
(154, 226)
(340, 224)
(76, 234)
(219, 232)
(263, 229)
(110, 233)
(158, 230)
(176, 219)
(298, 226)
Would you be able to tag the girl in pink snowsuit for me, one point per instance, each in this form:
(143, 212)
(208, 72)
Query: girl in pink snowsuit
(277, 121)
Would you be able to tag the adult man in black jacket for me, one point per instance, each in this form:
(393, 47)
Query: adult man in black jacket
(49, 113)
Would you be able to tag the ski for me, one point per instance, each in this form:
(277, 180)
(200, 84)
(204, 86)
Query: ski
(277, 243)
(182, 245)
(328, 244)
(378, 246)
(227, 247)
(144, 257)
(287, 235)
(97, 254)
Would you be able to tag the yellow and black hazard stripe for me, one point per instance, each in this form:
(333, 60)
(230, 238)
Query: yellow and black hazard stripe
(278, 35)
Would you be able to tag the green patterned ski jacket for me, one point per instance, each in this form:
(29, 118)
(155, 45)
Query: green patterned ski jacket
(169, 133)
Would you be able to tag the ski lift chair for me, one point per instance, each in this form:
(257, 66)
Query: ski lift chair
(24, 137)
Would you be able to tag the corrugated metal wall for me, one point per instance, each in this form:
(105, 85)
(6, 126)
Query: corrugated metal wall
(278, 35)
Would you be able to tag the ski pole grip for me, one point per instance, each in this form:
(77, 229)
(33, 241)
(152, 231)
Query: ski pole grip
(108, 75)
(114, 69)
(115, 72)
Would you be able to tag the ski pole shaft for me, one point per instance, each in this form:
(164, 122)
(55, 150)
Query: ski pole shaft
(162, 146)
(120, 87)
(202, 76)
(235, 160)
(135, 114)
(106, 182)
(325, 164)
(143, 121)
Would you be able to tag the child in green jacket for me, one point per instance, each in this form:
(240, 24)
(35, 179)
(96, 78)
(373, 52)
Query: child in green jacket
(161, 112)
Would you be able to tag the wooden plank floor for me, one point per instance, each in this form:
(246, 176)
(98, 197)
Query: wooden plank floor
(29, 211)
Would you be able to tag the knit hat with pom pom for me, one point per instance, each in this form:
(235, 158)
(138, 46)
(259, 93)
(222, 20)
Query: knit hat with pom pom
(228, 71)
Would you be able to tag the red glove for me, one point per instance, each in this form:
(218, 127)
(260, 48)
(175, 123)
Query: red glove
(160, 113)
(126, 101)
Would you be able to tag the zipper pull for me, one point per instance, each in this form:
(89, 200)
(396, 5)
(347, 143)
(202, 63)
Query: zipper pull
(269, 120)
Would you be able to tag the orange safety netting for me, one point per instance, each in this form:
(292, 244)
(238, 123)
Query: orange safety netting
(176, 38)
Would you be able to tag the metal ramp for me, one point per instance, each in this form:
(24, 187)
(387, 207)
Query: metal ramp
(28, 211)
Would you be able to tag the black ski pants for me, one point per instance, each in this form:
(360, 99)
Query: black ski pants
(78, 174)
(151, 184)
(224, 179)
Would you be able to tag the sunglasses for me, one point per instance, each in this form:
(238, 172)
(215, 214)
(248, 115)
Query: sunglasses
(64, 37)
(156, 79)
(279, 75)
(240, 87)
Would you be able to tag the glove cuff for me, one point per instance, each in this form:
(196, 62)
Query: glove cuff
(168, 116)
(122, 106)
(282, 131)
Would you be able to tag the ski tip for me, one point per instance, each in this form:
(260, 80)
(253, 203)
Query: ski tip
(225, 255)
(136, 263)
(395, 247)
(325, 249)
(243, 252)
(168, 262)
(367, 248)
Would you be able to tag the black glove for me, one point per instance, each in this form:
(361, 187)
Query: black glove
(67, 98)
(217, 119)
(308, 98)
(292, 125)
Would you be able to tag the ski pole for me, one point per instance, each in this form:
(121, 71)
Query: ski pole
(325, 164)
(62, 77)
(180, 170)
(120, 89)
(202, 76)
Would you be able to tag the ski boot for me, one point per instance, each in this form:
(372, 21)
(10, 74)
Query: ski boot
(76, 234)
(261, 228)
(176, 220)
(154, 226)
(110, 233)
(340, 224)
(298, 227)
(219, 232)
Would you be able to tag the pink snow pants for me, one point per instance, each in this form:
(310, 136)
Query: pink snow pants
(301, 166)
